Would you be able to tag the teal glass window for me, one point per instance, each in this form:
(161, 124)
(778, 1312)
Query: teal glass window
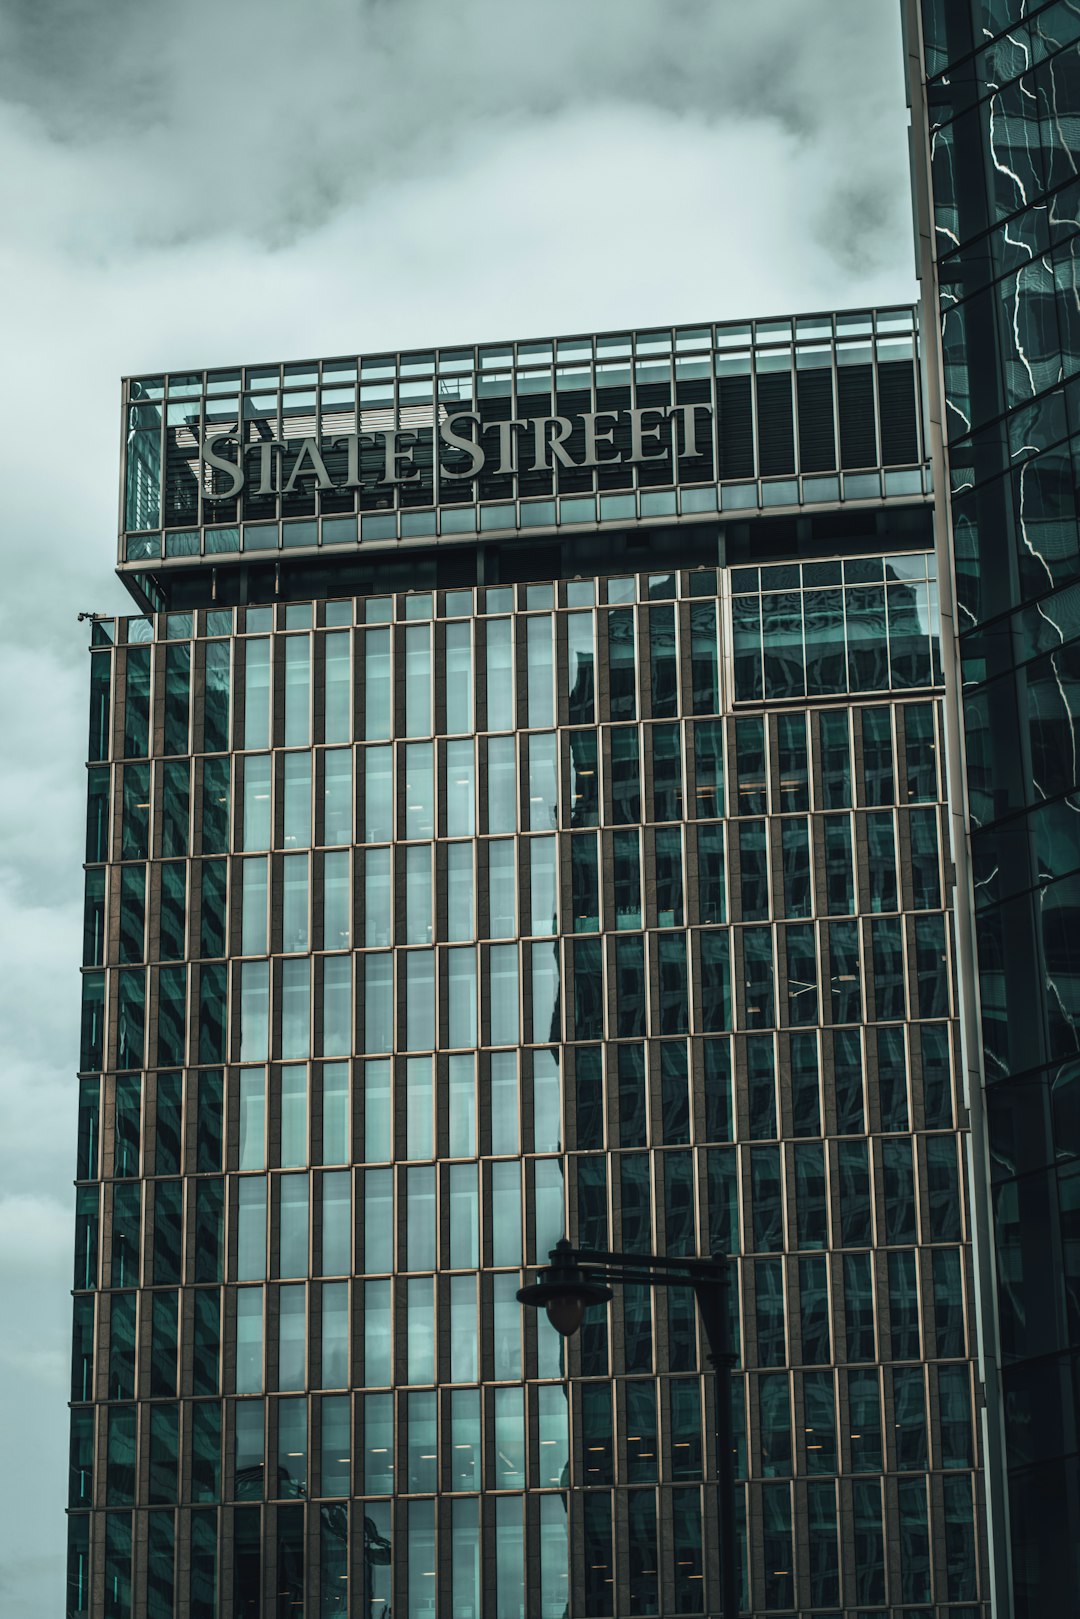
(205, 1450)
(848, 1082)
(795, 855)
(630, 985)
(417, 661)
(766, 1186)
(859, 1307)
(499, 673)
(376, 658)
(580, 671)
(86, 1162)
(421, 1458)
(811, 1195)
(669, 877)
(126, 1234)
(459, 674)
(127, 1125)
(761, 1087)
(122, 1346)
(509, 1555)
(869, 1557)
(297, 690)
(419, 1330)
(914, 1541)
(864, 1408)
(97, 813)
(920, 746)
(750, 767)
(542, 786)
(81, 1459)
(209, 1229)
(297, 802)
(164, 1454)
(717, 1087)
(502, 785)
(909, 1407)
(937, 1076)
(839, 879)
(835, 745)
(890, 981)
(216, 697)
(378, 1001)
(625, 775)
(758, 976)
(704, 660)
(819, 1406)
(540, 690)
(120, 1455)
(175, 806)
(137, 704)
(118, 1561)
(667, 772)
(877, 741)
(378, 1364)
(135, 827)
(824, 1561)
(723, 1188)
(622, 665)
(960, 1550)
(805, 1081)
(663, 664)
(292, 1446)
(215, 806)
(925, 859)
(257, 693)
(792, 762)
(250, 1449)
(814, 1314)
(709, 769)
(378, 795)
(754, 870)
(881, 861)
(845, 975)
(643, 1552)
(892, 1078)
(335, 1334)
(337, 796)
(802, 989)
(164, 1338)
(904, 1305)
(100, 700)
(943, 1190)
(823, 628)
(770, 1311)
(206, 1341)
(954, 1400)
(779, 1587)
(177, 707)
(465, 1442)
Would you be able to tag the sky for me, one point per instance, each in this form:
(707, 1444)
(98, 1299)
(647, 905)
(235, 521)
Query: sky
(206, 185)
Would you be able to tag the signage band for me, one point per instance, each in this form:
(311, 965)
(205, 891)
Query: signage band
(537, 443)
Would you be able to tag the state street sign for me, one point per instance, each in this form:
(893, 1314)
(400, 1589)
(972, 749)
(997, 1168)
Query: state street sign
(467, 445)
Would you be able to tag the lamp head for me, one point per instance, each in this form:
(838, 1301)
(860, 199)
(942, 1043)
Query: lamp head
(564, 1291)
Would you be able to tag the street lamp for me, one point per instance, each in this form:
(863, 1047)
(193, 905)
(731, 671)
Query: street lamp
(574, 1278)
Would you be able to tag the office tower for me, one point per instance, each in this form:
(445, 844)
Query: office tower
(515, 808)
(995, 89)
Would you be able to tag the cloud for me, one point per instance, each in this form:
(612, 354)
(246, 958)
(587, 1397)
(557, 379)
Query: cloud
(208, 184)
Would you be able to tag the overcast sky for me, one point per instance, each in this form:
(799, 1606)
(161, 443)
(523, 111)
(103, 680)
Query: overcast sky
(207, 184)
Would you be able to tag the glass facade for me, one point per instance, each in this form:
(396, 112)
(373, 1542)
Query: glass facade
(424, 926)
(996, 90)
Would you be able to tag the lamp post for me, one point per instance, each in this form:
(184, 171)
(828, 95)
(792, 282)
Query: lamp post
(574, 1278)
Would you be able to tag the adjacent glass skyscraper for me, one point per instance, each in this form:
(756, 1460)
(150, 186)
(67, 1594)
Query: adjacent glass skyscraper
(518, 807)
(996, 90)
